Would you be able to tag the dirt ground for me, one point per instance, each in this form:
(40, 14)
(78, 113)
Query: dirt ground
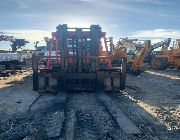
(149, 109)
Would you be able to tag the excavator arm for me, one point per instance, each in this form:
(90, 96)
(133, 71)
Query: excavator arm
(142, 52)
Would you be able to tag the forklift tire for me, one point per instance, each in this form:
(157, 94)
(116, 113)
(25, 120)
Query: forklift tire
(123, 75)
(159, 63)
(35, 81)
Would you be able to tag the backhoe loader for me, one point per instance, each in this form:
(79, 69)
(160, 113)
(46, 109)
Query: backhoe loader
(167, 57)
(135, 52)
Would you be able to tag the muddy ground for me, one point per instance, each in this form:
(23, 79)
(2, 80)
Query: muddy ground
(149, 108)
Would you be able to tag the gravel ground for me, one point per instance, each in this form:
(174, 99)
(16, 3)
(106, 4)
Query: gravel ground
(159, 95)
(150, 102)
(16, 94)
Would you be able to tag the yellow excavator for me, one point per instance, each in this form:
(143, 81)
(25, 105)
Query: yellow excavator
(135, 52)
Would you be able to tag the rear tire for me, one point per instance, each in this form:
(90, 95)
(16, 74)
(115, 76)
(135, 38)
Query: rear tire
(159, 63)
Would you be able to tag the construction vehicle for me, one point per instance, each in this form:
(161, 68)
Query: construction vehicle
(135, 52)
(81, 64)
(174, 54)
(11, 59)
(166, 57)
(15, 60)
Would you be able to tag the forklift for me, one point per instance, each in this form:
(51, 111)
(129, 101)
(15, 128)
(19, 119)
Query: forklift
(83, 61)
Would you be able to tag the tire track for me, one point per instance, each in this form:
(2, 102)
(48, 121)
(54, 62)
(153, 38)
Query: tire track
(42, 124)
(150, 128)
(92, 121)
(123, 122)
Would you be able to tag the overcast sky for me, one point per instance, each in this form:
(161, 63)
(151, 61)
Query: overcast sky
(34, 19)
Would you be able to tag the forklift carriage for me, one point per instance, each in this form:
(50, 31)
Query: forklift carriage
(81, 64)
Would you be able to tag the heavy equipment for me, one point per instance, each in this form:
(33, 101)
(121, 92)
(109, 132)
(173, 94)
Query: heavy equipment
(166, 57)
(135, 52)
(81, 63)
(12, 59)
